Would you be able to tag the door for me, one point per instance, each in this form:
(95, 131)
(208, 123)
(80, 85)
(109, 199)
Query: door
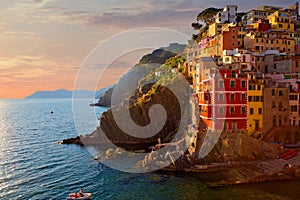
(256, 125)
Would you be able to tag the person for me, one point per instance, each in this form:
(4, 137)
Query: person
(81, 192)
(75, 195)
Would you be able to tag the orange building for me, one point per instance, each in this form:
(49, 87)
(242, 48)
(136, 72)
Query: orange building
(227, 40)
(275, 40)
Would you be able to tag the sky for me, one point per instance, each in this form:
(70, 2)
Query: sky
(44, 43)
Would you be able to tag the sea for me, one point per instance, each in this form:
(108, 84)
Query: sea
(34, 166)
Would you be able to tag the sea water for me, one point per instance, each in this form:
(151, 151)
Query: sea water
(33, 166)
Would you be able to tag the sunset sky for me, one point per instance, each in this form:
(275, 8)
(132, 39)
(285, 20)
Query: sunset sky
(44, 42)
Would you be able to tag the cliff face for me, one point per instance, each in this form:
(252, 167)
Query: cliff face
(109, 131)
(147, 64)
(105, 99)
(235, 147)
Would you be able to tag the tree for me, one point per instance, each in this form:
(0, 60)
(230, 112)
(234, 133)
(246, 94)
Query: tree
(208, 14)
(174, 61)
(196, 25)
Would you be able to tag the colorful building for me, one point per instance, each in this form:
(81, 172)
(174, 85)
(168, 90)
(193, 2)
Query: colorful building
(215, 28)
(255, 104)
(295, 68)
(223, 99)
(275, 40)
(276, 106)
(228, 14)
(253, 16)
(281, 21)
(262, 25)
(227, 40)
(245, 74)
(294, 102)
(296, 36)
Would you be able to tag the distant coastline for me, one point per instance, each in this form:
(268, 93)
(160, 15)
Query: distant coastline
(62, 93)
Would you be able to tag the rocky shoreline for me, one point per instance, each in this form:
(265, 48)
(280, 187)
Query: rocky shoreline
(75, 140)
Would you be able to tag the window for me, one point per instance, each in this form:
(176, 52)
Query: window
(280, 93)
(294, 108)
(293, 97)
(251, 87)
(273, 104)
(233, 74)
(243, 110)
(258, 87)
(232, 83)
(274, 122)
(243, 97)
(251, 111)
(259, 111)
(297, 65)
(221, 97)
(221, 110)
(280, 26)
(243, 84)
(273, 92)
(232, 110)
(275, 66)
(250, 99)
(280, 105)
(221, 83)
(257, 98)
(280, 122)
(231, 97)
(256, 47)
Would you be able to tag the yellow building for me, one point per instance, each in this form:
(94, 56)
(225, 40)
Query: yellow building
(215, 28)
(255, 105)
(260, 42)
(281, 21)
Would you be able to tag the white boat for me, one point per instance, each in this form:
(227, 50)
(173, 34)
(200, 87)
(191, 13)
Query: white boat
(78, 196)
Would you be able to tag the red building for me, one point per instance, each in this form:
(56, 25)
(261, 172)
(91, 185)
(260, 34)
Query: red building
(262, 25)
(223, 99)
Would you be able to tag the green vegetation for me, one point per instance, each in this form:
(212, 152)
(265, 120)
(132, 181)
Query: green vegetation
(196, 25)
(208, 14)
(175, 61)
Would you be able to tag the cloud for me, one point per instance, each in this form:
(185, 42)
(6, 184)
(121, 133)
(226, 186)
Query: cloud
(50, 8)
(28, 67)
(118, 20)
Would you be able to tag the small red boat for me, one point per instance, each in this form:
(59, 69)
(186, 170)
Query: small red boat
(287, 155)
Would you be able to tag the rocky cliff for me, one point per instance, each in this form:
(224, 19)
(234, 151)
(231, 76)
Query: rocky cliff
(147, 64)
(109, 130)
(236, 147)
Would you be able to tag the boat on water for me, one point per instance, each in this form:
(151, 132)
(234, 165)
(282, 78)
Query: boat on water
(287, 155)
(81, 195)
